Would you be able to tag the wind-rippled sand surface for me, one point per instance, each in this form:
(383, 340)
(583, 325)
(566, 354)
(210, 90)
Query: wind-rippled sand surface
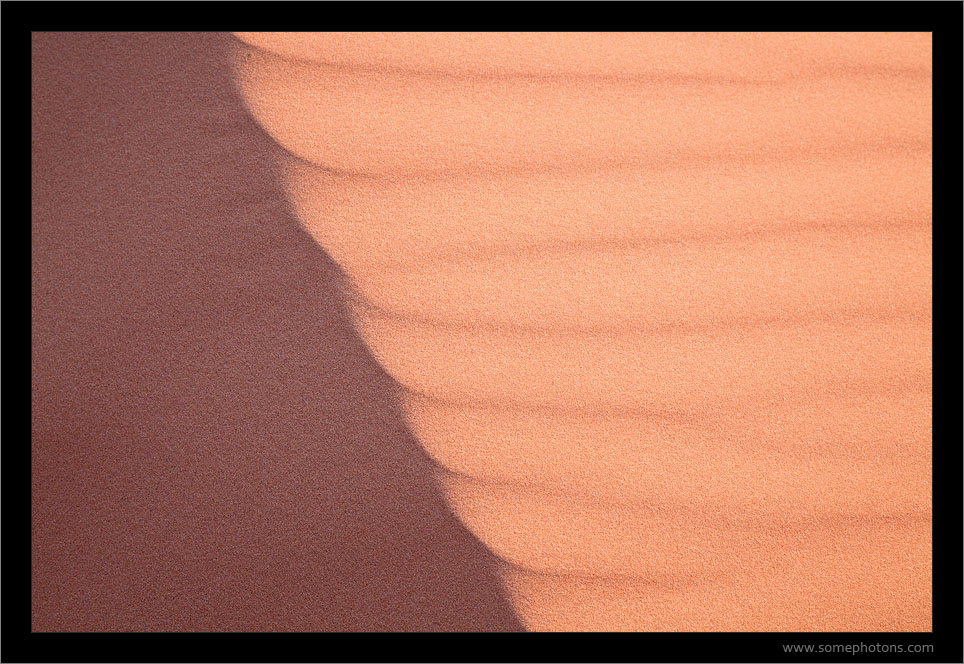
(660, 304)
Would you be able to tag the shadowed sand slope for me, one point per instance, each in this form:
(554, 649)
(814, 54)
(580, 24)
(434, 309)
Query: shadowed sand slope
(660, 304)
(213, 446)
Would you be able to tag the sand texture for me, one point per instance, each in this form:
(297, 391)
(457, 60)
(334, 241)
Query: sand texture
(659, 304)
(481, 332)
(214, 448)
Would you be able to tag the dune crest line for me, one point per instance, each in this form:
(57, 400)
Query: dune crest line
(660, 304)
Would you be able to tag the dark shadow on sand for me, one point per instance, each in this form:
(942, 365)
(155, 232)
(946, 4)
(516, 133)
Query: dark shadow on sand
(213, 446)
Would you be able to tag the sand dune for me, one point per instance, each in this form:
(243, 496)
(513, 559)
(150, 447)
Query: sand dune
(867, 453)
(733, 56)
(453, 218)
(213, 448)
(371, 122)
(684, 371)
(660, 304)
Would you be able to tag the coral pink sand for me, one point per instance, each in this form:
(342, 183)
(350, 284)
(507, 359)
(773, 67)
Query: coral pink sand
(478, 332)
(659, 303)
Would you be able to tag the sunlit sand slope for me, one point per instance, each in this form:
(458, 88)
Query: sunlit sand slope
(660, 304)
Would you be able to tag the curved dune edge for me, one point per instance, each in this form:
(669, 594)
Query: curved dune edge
(734, 56)
(685, 371)
(662, 319)
(697, 283)
(868, 453)
(382, 123)
(452, 218)
(783, 600)
(659, 539)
